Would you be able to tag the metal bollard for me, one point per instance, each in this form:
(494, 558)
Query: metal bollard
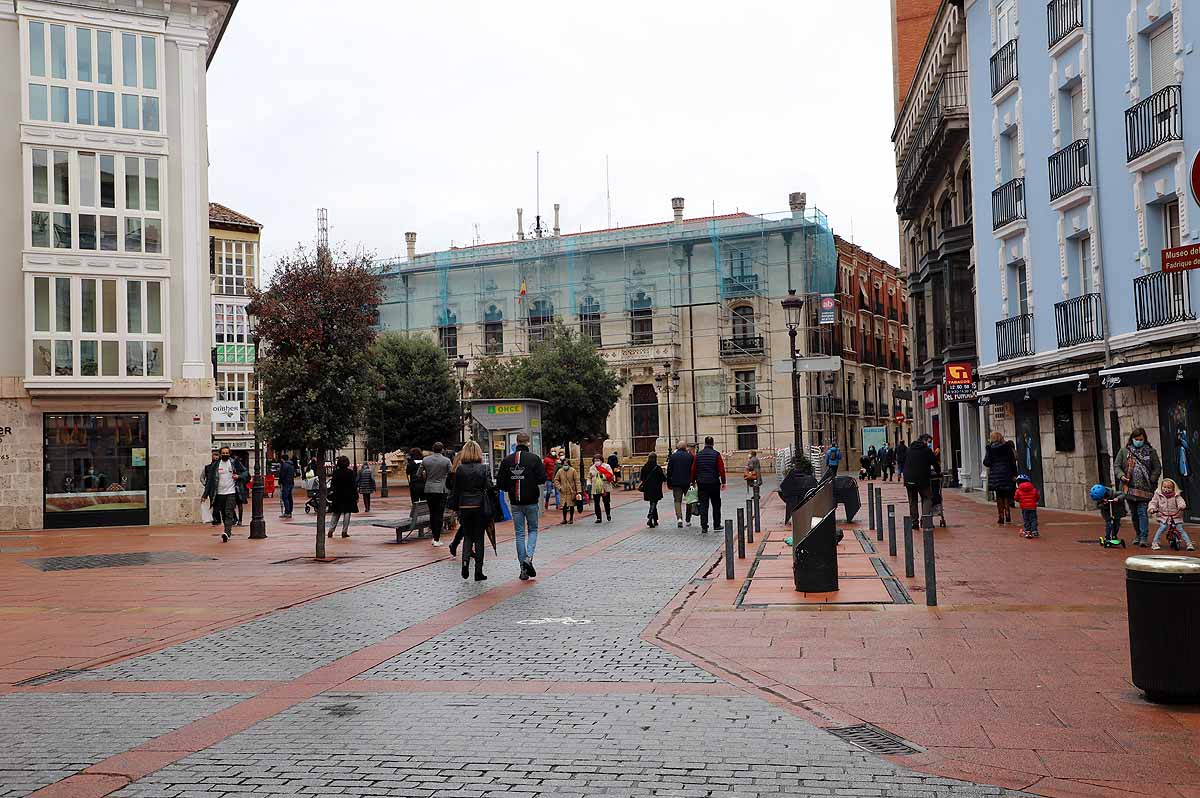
(909, 569)
(741, 529)
(891, 530)
(728, 549)
(930, 570)
(750, 520)
(870, 507)
(757, 514)
(878, 514)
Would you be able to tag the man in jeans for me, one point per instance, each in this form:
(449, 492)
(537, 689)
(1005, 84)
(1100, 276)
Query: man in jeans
(287, 483)
(225, 488)
(521, 477)
(708, 472)
(436, 469)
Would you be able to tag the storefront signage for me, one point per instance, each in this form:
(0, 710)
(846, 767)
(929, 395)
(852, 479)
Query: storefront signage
(226, 412)
(931, 398)
(959, 382)
(1181, 259)
(503, 410)
(828, 309)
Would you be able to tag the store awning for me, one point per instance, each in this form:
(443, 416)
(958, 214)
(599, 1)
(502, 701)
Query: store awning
(1019, 391)
(1179, 368)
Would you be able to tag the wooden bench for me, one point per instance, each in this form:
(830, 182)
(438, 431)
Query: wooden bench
(417, 521)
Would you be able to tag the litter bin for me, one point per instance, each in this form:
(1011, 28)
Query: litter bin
(1163, 595)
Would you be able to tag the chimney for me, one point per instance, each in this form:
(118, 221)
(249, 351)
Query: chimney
(796, 201)
(520, 224)
(556, 230)
(677, 206)
(411, 240)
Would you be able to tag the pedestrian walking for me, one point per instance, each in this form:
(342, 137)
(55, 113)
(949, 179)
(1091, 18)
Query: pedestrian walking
(833, 458)
(473, 499)
(679, 478)
(343, 495)
(920, 466)
(708, 472)
(521, 476)
(224, 487)
(901, 453)
(214, 510)
(614, 464)
(287, 484)
(1168, 506)
(434, 473)
(313, 469)
(366, 486)
(416, 487)
(871, 463)
(1000, 460)
(887, 462)
(652, 482)
(549, 463)
(753, 474)
(566, 481)
(1027, 497)
(599, 478)
(1138, 469)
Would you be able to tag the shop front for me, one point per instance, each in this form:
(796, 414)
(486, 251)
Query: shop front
(95, 469)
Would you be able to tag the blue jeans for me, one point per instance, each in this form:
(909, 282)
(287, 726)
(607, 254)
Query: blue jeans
(1187, 541)
(285, 496)
(552, 490)
(1140, 519)
(1029, 520)
(525, 517)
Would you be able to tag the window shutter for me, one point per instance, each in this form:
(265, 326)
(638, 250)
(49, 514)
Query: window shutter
(1162, 59)
(1077, 115)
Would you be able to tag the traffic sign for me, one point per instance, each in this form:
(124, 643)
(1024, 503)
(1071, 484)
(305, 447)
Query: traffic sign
(899, 418)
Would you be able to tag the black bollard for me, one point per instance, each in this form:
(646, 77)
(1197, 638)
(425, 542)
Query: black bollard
(891, 530)
(930, 569)
(741, 530)
(749, 520)
(728, 549)
(878, 514)
(757, 514)
(909, 570)
(870, 507)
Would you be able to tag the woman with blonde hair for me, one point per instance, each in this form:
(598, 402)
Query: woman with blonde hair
(1000, 459)
(472, 499)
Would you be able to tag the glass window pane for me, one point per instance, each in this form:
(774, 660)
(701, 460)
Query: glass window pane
(41, 304)
(153, 233)
(87, 289)
(38, 102)
(62, 178)
(133, 234)
(60, 100)
(149, 63)
(41, 358)
(87, 231)
(62, 304)
(108, 181)
(154, 359)
(37, 49)
(129, 59)
(41, 176)
(83, 54)
(62, 231)
(83, 107)
(150, 113)
(129, 111)
(89, 365)
(152, 184)
(110, 359)
(134, 353)
(106, 109)
(133, 302)
(40, 224)
(108, 301)
(108, 234)
(133, 200)
(63, 367)
(58, 51)
(87, 179)
(104, 57)
(153, 308)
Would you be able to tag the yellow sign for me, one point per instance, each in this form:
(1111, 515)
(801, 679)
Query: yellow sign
(503, 410)
(533, 422)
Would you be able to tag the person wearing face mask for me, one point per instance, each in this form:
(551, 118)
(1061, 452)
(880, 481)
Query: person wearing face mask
(225, 488)
(1138, 470)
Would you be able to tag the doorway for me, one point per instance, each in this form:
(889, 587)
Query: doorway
(645, 419)
(1029, 444)
(1179, 421)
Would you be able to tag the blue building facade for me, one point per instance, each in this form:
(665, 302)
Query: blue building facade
(1084, 122)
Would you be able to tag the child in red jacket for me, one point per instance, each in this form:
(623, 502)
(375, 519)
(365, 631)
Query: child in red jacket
(1027, 497)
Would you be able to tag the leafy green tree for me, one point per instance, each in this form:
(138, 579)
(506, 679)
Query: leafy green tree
(420, 402)
(315, 324)
(495, 379)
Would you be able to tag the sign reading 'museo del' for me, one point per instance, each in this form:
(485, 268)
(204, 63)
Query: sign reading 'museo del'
(1181, 259)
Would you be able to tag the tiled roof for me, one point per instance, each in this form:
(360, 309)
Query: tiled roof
(220, 215)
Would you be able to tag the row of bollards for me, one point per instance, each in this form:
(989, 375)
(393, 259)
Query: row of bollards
(875, 520)
(749, 521)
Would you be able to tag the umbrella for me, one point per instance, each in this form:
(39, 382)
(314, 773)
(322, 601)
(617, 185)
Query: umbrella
(491, 533)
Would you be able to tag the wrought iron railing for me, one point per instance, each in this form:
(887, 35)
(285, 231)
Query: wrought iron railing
(950, 95)
(1008, 203)
(1004, 66)
(744, 405)
(1162, 298)
(742, 346)
(1153, 122)
(1062, 17)
(740, 285)
(1079, 320)
(1070, 168)
(853, 407)
(1014, 337)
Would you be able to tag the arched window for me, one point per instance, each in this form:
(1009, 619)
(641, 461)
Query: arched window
(589, 320)
(541, 314)
(743, 323)
(493, 331)
(641, 319)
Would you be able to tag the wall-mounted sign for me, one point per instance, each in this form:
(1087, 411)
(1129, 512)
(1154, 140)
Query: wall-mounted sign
(226, 412)
(930, 398)
(828, 309)
(959, 382)
(503, 410)
(1181, 259)
(1196, 177)
(899, 418)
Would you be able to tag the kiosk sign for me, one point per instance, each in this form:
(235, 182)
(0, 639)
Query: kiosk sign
(959, 383)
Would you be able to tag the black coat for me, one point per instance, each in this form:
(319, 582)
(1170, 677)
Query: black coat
(653, 480)
(679, 469)
(343, 491)
(521, 476)
(920, 464)
(901, 453)
(1000, 459)
(471, 482)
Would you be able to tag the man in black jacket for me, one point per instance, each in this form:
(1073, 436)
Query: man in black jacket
(225, 488)
(521, 477)
(920, 466)
(679, 478)
(708, 472)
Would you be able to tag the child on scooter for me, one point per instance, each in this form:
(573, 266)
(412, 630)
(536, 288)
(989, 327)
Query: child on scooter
(1168, 505)
(1112, 509)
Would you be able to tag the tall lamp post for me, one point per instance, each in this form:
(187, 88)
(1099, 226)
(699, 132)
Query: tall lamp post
(381, 394)
(460, 366)
(668, 382)
(258, 525)
(792, 307)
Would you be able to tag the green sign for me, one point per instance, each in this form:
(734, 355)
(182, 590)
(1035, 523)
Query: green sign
(503, 410)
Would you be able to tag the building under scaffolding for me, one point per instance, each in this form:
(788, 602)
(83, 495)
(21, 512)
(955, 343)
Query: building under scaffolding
(688, 310)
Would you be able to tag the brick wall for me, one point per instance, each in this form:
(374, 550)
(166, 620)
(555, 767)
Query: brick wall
(911, 21)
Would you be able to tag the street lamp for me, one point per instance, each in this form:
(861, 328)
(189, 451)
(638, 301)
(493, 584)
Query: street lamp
(258, 525)
(668, 382)
(381, 394)
(461, 366)
(792, 307)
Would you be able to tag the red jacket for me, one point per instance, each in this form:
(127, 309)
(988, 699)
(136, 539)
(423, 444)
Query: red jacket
(1027, 496)
(549, 463)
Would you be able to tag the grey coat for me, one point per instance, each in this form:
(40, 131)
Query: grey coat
(437, 469)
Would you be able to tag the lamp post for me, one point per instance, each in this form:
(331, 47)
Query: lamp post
(460, 366)
(381, 394)
(668, 382)
(258, 525)
(792, 306)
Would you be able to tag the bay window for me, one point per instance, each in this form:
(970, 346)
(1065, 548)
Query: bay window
(236, 386)
(234, 266)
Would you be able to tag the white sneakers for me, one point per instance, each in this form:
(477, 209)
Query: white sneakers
(437, 544)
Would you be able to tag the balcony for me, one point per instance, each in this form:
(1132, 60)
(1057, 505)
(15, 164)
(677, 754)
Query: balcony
(652, 353)
(869, 408)
(744, 347)
(1062, 17)
(744, 405)
(942, 128)
(878, 308)
(892, 314)
(740, 285)
(1070, 169)
(853, 405)
(1008, 203)
(1079, 320)
(1014, 337)
(1004, 66)
(1162, 298)
(1153, 122)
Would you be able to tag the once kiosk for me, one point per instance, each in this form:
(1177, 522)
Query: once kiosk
(496, 422)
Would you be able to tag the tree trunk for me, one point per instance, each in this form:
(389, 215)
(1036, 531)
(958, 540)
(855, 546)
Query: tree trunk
(322, 493)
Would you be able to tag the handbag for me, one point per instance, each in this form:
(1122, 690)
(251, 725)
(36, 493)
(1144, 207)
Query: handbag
(751, 475)
(487, 508)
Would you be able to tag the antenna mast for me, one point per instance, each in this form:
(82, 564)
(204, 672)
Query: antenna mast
(322, 230)
(537, 228)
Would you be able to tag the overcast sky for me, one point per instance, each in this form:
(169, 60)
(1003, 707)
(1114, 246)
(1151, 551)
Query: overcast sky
(427, 116)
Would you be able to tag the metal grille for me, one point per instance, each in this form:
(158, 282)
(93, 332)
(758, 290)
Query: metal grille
(114, 560)
(874, 739)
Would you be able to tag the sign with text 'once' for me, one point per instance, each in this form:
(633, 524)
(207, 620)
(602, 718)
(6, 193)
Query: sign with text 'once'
(503, 410)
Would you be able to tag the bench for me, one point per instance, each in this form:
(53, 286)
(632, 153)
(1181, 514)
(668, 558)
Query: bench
(417, 521)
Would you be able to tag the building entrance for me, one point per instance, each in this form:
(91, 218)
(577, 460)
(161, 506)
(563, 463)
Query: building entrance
(1029, 443)
(645, 419)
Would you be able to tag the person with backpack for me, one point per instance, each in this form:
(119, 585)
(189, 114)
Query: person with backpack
(708, 472)
(679, 479)
(833, 458)
(521, 476)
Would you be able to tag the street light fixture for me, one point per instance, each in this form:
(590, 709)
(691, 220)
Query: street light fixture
(258, 525)
(461, 365)
(792, 307)
(381, 394)
(668, 382)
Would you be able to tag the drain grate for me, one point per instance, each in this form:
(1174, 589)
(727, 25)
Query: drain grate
(874, 739)
(114, 560)
(47, 678)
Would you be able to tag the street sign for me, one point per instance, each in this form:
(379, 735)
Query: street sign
(810, 364)
(226, 412)
(1196, 177)
(959, 383)
(899, 418)
(1181, 259)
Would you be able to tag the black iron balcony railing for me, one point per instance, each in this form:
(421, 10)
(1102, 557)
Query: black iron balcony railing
(742, 346)
(853, 407)
(1079, 320)
(1162, 298)
(1008, 203)
(869, 408)
(1070, 169)
(1062, 17)
(948, 98)
(740, 285)
(1153, 122)
(1004, 66)
(1014, 337)
(742, 405)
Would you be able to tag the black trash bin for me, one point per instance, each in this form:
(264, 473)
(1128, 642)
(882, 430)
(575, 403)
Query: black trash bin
(1163, 593)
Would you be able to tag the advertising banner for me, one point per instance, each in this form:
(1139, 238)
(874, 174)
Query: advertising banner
(959, 383)
(828, 309)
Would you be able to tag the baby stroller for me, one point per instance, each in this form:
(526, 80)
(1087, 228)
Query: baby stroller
(935, 498)
(312, 486)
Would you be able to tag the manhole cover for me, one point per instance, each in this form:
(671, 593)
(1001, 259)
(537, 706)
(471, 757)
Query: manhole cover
(874, 739)
(114, 560)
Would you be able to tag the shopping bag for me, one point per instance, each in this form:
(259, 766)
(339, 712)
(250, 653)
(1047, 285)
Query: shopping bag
(692, 496)
(205, 512)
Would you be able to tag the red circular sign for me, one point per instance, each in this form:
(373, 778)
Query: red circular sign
(899, 418)
(1196, 177)
(827, 301)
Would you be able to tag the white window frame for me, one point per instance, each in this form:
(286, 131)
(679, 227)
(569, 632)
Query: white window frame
(235, 386)
(1171, 224)
(236, 267)
(1164, 34)
(1083, 255)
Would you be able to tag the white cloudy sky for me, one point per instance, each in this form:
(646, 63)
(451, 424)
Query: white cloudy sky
(426, 115)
